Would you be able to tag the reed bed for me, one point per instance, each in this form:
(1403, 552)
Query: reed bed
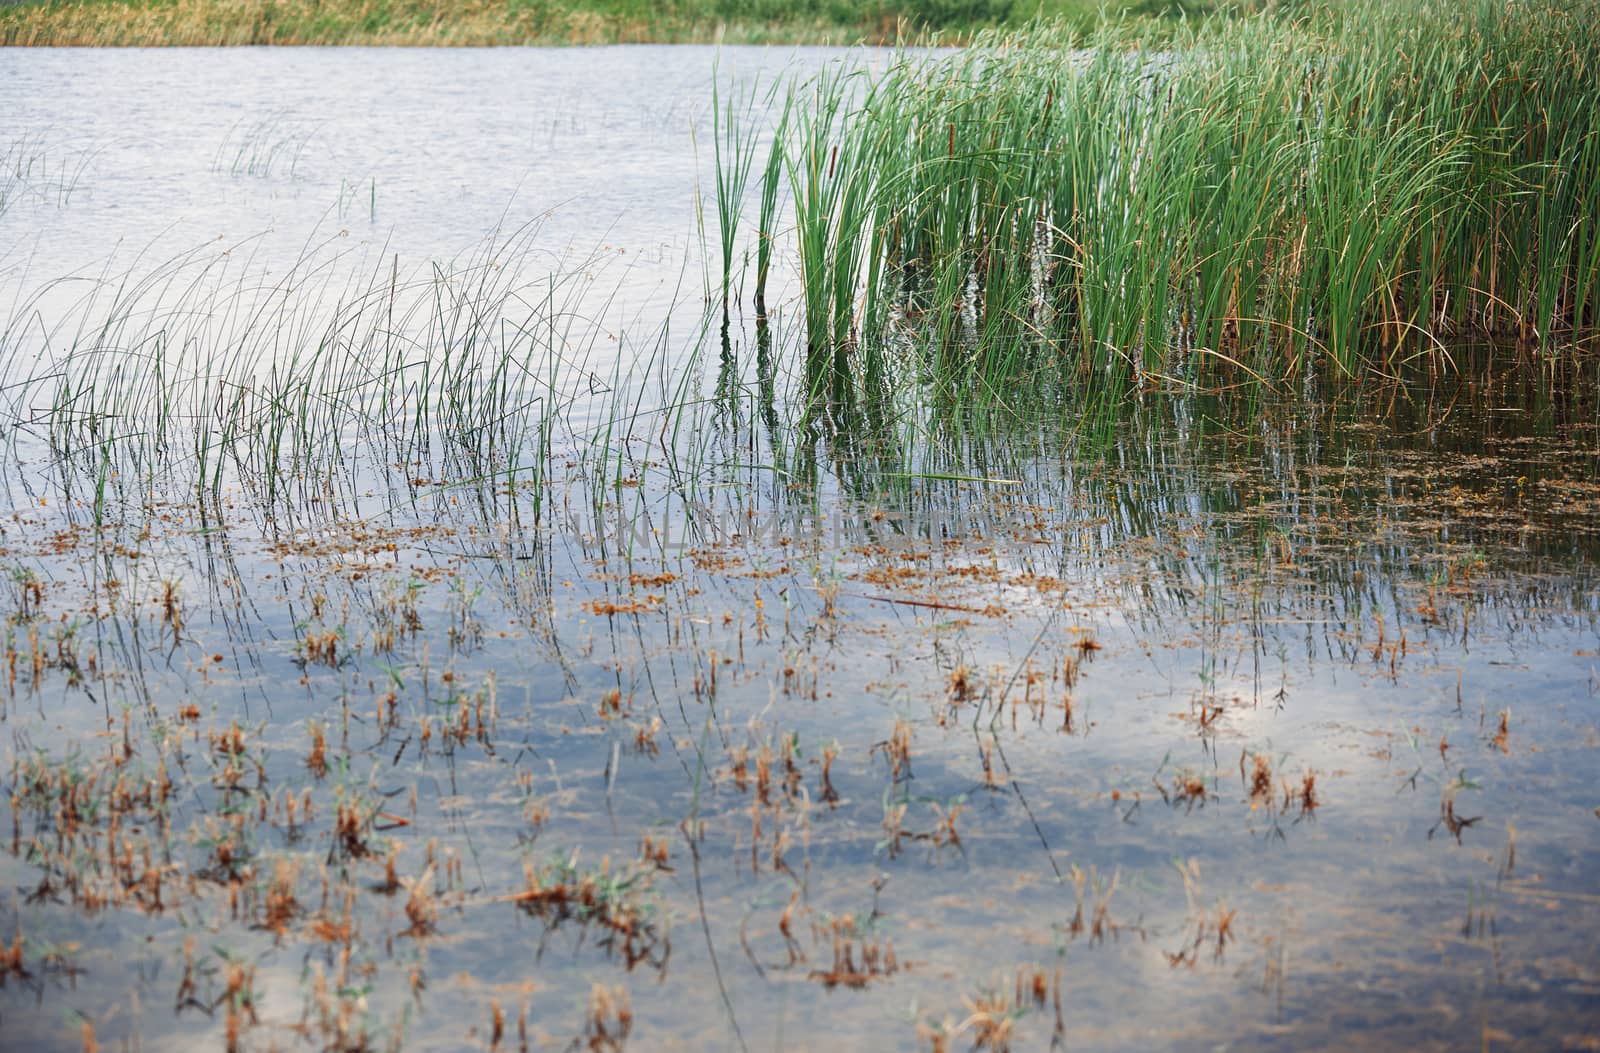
(1257, 198)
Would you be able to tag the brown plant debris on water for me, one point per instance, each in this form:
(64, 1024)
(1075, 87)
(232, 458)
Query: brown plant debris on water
(1213, 929)
(1259, 781)
(993, 1015)
(897, 749)
(611, 608)
(1502, 735)
(991, 1019)
(239, 1000)
(791, 945)
(644, 737)
(859, 956)
(1099, 924)
(1455, 824)
(960, 688)
(281, 905)
(1188, 789)
(610, 1019)
(317, 757)
(497, 1023)
(615, 901)
(653, 851)
(171, 608)
(422, 908)
(353, 825)
(322, 647)
(1304, 795)
(11, 958)
(338, 1008)
(829, 753)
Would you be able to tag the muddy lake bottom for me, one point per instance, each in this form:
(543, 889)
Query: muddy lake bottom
(1283, 737)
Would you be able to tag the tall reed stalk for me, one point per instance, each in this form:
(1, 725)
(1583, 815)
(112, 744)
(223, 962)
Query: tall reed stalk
(733, 143)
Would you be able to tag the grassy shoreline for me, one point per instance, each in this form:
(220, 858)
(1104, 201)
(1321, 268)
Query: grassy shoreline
(476, 23)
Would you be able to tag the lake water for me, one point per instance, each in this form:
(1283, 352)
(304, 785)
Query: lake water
(1216, 722)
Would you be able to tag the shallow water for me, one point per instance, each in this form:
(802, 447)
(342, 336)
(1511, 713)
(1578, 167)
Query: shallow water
(1067, 683)
(416, 152)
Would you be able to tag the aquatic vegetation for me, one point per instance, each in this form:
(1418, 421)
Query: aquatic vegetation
(1256, 199)
(208, 381)
(610, 1019)
(263, 149)
(330, 834)
(616, 901)
(32, 169)
(848, 940)
(390, 655)
(994, 1014)
(734, 151)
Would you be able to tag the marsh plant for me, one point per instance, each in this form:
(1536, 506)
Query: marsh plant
(1260, 197)
(204, 374)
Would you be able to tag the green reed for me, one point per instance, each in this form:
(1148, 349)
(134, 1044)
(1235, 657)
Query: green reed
(771, 177)
(734, 149)
(1257, 197)
(308, 389)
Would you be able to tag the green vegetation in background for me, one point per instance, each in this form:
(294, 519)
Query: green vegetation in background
(492, 22)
